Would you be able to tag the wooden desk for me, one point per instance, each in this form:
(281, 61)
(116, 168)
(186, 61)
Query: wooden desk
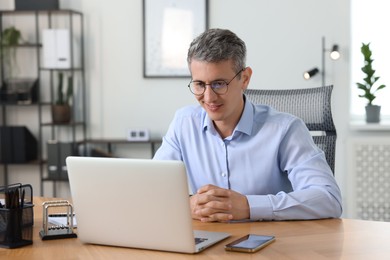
(319, 239)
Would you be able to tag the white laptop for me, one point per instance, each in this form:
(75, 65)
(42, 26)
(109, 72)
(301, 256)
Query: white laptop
(137, 203)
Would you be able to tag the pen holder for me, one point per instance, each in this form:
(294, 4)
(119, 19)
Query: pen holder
(16, 226)
(16, 216)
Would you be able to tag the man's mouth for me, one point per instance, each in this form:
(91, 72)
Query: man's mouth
(213, 107)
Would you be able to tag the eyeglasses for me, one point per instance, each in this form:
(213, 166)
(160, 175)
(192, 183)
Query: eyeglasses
(219, 87)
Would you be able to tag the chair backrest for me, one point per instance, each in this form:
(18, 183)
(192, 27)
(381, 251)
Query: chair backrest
(312, 105)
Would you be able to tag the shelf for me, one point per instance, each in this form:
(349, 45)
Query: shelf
(47, 103)
(34, 162)
(55, 179)
(19, 104)
(121, 141)
(361, 125)
(71, 124)
(47, 85)
(59, 69)
(112, 141)
(20, 12)
(23, 45)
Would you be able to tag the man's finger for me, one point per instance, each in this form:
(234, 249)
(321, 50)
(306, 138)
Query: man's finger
(218, 217)
(214, 191)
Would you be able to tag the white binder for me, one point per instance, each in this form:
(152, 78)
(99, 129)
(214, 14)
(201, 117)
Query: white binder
(56, 48)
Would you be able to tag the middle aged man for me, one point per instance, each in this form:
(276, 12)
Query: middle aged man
(244, 161)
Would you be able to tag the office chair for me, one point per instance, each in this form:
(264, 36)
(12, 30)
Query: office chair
(312, 105)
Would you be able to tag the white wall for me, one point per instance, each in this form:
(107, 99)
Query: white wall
(283, 39)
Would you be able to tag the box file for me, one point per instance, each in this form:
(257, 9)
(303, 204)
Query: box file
(56, 156)
(26, 5)
(56, 48)
(17, 145)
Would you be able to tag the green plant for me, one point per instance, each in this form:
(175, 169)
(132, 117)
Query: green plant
(63, 98)
(10, 37)
(370, 79)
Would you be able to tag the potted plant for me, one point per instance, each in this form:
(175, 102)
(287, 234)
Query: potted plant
(370, 79)
(61, 109)
(10, 37)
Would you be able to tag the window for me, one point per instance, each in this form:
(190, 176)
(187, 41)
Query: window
(369, 24)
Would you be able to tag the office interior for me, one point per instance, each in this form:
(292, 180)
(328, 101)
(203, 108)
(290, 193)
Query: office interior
(283, 40)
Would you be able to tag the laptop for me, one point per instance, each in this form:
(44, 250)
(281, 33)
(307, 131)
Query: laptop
(138, 203)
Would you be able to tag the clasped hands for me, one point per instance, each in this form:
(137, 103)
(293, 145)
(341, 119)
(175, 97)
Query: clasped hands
(215, 204)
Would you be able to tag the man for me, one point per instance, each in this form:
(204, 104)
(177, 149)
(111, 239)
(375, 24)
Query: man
(244, 161)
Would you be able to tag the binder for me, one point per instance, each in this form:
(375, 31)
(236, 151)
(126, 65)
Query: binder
(66, 149)
(56, 48)
(53, 159)
(17, 145)
(56, 158)
(6, 145)
(40, 5)
(25, 146)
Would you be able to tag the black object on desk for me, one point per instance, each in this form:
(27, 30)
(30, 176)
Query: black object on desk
(16, 215)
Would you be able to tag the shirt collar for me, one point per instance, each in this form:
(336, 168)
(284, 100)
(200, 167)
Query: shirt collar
(246, 121)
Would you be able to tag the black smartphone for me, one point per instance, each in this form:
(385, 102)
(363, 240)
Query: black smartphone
(250, 243)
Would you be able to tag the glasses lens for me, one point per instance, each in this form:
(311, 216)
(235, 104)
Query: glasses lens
(197, 87)
(219, 87)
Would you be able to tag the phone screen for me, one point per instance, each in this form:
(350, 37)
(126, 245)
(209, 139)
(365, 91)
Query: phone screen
(250, 243)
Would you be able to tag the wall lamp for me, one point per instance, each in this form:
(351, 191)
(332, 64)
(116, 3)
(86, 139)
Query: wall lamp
(310, 73)
(334, 54)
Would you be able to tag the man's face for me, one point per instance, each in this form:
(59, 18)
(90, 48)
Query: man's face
(227, 108)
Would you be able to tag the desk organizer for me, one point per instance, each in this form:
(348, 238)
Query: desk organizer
(54, 231)
(16, 216)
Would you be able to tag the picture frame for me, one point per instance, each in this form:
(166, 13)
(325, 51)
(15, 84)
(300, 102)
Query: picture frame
(169, 26)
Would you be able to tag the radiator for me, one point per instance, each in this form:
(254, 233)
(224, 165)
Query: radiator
(369, 179)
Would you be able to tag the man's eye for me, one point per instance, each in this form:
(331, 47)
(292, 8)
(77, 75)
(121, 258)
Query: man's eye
(218, 84)
(198, 84)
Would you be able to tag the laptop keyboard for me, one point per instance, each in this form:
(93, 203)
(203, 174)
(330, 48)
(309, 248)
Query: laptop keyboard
(199, 240)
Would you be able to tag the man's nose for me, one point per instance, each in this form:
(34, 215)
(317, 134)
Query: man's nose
(209, 93)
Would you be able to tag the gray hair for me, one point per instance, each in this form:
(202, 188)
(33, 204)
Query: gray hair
(216, 45)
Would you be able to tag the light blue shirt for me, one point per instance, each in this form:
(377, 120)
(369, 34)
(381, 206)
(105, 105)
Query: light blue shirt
(270, 157)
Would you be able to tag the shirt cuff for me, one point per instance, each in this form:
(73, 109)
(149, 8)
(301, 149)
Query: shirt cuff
(260, 207)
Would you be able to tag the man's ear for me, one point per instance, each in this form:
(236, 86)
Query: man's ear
(246, 77)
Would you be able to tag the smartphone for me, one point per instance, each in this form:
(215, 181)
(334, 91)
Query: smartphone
(250, 243)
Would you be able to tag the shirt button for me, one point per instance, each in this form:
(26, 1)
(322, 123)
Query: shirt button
(224, 174)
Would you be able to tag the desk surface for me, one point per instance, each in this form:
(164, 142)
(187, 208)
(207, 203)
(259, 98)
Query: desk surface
(317, 239)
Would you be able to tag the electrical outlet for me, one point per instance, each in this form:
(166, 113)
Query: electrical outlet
(138, 135)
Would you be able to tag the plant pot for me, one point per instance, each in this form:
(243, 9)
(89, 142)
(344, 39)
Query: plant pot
(373, 114)
(61, 114)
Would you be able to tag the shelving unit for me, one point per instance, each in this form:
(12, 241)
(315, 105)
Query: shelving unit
(32, 23)
(153, 143)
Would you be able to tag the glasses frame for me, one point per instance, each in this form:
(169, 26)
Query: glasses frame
(210, 84)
